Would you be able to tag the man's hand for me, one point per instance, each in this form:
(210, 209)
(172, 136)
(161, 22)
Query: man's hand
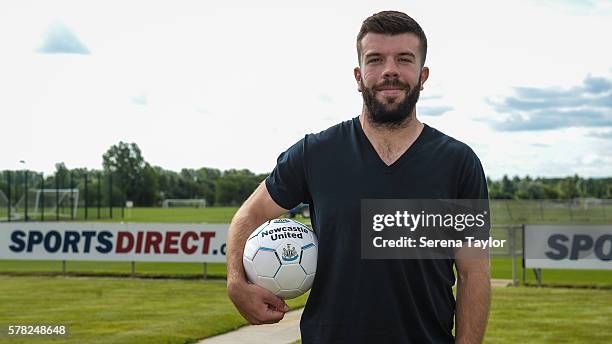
(256, 304)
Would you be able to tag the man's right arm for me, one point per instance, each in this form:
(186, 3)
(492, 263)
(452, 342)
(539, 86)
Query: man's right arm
(256, 304)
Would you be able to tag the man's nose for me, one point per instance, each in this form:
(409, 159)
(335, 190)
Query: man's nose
(390, 70)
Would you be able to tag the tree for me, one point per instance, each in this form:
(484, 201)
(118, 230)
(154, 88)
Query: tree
(127, 165)
(568, 187)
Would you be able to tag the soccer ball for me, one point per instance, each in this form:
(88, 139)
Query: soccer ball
(281, 256)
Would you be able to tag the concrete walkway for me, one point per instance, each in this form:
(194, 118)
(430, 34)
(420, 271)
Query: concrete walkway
(284, 332)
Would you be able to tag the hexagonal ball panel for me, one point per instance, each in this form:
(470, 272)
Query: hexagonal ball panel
(309, 259)
(290, 277)
(249, 269)
(307, 284)
(289, 294)
(250, 248)
(268, 283)
(266, 263)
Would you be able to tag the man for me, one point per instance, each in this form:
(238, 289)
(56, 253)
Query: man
(385, 153)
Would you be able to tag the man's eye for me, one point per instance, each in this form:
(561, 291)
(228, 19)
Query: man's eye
(405, 60)
(374, 60)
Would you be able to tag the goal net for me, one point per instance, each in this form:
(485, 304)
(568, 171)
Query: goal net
(64, 202)
(6, 208)
(185, 203)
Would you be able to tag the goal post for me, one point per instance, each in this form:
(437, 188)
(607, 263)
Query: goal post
(64, 202)
(7, 210)
(185, 203)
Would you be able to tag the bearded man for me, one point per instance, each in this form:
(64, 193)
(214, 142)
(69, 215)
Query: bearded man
(384, 153)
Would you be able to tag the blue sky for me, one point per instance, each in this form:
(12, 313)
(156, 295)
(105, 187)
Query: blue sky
(527, 84)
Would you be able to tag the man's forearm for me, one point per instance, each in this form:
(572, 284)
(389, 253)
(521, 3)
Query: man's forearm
(473, 303)
(241, 227)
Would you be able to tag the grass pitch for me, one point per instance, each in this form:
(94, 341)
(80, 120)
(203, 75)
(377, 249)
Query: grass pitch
(119, 310)
(501, 268)
(108, 310)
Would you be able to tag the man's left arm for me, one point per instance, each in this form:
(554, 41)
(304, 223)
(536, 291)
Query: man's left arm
(473, 298)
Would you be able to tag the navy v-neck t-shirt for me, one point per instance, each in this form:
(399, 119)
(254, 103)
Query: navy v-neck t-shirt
(355, 300)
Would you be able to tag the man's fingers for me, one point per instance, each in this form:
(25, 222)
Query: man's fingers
(276, 302)
(273, 316)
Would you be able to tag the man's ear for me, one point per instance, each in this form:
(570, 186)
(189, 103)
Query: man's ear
(357, 73)
(424, 76)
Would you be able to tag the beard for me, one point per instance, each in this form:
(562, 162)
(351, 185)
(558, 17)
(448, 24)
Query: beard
(393, 114)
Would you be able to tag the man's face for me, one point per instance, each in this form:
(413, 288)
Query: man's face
(390, 77)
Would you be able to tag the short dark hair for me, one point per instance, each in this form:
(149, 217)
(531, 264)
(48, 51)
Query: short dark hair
(392, 23)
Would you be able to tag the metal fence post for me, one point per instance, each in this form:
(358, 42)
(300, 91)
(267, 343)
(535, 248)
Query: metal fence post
(523, 254)
(8, 196)
(512, 236)
(57, 186)
(85, 199)
(99, 196)
(25, 195)
(72, 195)
(110, 193)
(42, 197)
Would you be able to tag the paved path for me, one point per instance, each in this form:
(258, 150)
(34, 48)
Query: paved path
(284, 332)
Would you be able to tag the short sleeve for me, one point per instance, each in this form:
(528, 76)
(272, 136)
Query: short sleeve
(473, 186)
(287, 182)
(472, 180)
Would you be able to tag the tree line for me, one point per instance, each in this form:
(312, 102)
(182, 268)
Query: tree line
(126, 175)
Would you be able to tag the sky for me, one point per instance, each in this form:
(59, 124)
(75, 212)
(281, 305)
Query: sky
(527, 83)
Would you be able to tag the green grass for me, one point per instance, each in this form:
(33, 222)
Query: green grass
(150, 269)
(107, 310)
(549, 315)
(544, 315)
(501, 268)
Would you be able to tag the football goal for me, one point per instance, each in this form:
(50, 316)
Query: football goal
(6, 208)
(64, 202)
(185, 203)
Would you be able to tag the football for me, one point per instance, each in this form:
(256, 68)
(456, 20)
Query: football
(281, 256)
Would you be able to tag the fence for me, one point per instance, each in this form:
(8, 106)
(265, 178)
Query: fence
(508, 217)
(69, 196)
(577, 210)
(513, 246)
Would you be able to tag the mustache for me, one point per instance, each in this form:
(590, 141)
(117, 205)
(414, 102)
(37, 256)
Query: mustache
(395, 83)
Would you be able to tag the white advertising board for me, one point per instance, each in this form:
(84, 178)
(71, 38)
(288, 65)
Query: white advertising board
(146, 242)
(568, 246)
